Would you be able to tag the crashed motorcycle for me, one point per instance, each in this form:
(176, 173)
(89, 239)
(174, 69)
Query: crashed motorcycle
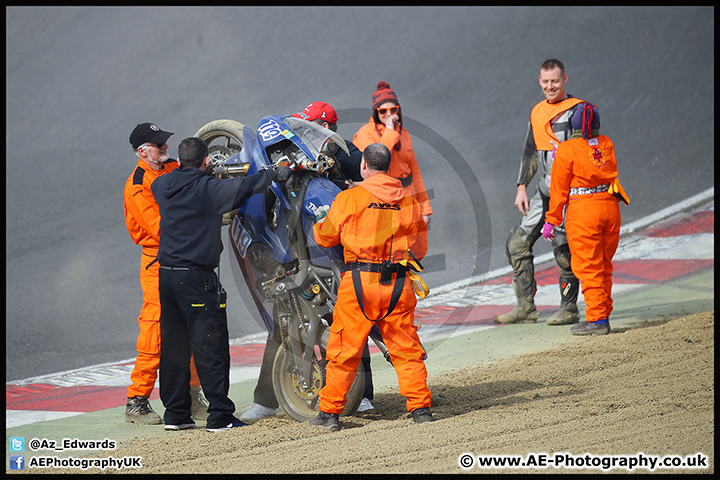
(293, 281)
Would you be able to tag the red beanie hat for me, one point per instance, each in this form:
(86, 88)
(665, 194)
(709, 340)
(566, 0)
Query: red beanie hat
(384, 94)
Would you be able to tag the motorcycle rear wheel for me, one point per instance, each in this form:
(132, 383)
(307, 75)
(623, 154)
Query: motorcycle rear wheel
(229, 131)
(300, 401)
(224, 139)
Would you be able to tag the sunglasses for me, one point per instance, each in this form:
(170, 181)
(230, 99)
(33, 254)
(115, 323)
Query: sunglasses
(392, 110)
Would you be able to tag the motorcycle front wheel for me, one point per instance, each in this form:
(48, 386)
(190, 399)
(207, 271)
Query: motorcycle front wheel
(299, 399)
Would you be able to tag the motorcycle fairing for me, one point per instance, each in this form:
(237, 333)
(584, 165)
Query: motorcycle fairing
(263, 217)
(319, 196)
(250, 276)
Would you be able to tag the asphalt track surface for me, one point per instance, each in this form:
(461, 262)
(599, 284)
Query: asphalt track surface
(80, 78)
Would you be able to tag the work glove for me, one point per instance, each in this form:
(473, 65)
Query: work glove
(283, 173)
(321, 213)
(547, 231)
(618, 191)
(270, 173)
(228, 217)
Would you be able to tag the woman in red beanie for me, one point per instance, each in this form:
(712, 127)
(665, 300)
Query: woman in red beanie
(386, 127)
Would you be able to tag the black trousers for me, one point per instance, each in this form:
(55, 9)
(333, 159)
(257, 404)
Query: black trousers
(191, 320)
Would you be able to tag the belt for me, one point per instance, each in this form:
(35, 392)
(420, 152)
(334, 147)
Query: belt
(589, 191)
(184, 269)
(365, 267)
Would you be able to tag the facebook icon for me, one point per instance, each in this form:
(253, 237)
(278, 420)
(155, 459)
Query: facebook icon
(17, 462)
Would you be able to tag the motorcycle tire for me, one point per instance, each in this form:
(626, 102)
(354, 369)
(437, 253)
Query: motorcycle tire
(229, 131)
(300, 402)
(224, 138)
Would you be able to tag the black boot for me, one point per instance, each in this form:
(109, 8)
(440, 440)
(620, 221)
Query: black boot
(568, 312)
(326, 420)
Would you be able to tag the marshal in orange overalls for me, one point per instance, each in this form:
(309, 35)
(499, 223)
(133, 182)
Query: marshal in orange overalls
(142, 217)
(581, 172)
(367, 220)
(404, 164)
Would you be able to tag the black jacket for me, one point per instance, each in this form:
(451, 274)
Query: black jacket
(192, 204)
(348, 166)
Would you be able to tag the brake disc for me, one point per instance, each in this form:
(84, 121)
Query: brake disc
(306, 392)
(219, 153)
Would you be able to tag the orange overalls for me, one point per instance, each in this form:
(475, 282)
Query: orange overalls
(581, 173)
(403, 164)
(142, 217)
(367, 220)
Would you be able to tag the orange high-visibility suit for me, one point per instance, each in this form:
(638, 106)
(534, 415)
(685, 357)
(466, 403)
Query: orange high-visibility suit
(369, 221)
(403, 164)
(581, 171)
(142, 217)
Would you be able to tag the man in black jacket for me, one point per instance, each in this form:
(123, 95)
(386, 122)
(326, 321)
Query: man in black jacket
(193, 317)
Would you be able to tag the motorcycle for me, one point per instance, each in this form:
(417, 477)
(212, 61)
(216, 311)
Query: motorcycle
(293, 281)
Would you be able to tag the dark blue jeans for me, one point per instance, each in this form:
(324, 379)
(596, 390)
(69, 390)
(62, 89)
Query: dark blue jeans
(192, 321)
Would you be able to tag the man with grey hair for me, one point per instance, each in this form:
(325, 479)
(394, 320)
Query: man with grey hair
(149, 142)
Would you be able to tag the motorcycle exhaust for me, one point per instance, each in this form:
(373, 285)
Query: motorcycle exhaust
(232, 170)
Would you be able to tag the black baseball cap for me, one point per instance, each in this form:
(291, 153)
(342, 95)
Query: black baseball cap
(148, 133)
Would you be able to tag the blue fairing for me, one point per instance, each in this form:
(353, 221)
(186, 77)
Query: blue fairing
(255, 223)
(273, 130)
(261, 221)
(319, 196)
(250, 276)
